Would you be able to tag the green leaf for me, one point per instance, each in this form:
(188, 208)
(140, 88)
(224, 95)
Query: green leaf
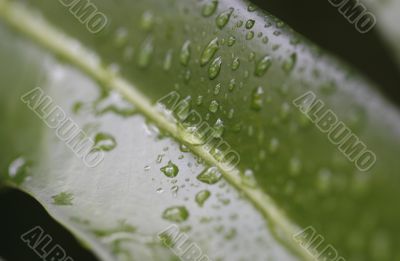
(289, 177)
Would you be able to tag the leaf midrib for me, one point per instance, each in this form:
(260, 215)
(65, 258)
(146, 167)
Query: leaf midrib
(39, 30)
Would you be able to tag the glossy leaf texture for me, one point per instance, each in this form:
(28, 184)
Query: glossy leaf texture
(240, 68)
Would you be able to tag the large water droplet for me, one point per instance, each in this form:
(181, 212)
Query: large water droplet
(262, 66)
(215, 68)
(170, 170)
(104, 141)
(209, 51)
(214, 105)
(223, 18)
(202, 196)
(176, 214)
(210, 8)
(185, 53)
(289, 64)
(210, 175)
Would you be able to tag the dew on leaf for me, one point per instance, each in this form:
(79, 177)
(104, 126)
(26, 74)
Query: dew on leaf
(210, 175)
(223, 18)
(289, 64)
(235, 63)
(167, 61)
(232, 84)
(202, 196)
(263, 65)
(147, 21)
(231, 40)
(176, 214)
(184, 56)
(63, 199)
(273, 145)
(209, 51)
(215, 68)
(170, 170)
(217, 89)
(209, 8)
(121, 37)
(104, 141)
(219, 128)
(249, 35)
(257, 98)
(214, 105)
(294, 166)
(249, 24)
(145, 53)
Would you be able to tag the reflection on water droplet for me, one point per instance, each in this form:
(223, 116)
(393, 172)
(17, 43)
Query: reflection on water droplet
(223, 18)
(202, 196)
(63, 199)
(209, 51)
(209, 8)
(257, 98)
(215, 68)
(185, 53)
(176, 214)
(104, 141)
(170, 170)
(210, 176)
(262, 66)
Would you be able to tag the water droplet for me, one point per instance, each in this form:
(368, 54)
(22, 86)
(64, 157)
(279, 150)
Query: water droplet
(235, 63)
(232, 85)
(147, 21)
(184, 148)
(176, 214)
(249, 24)
(187, 75)
(249, 35)
(63, 199)
(231, 113)
(202, 196)
(294, 166)
(209, 51)
(167, 61)
(251, 8)
(185, 53)
(160, 190)
(285, 110)
(223, 18)
(273, 145)
(239, 23)
(257, 99)
(231, 40)
(18, 170)
(289, 64)
(104, 141)
(324, 180)
(121, 37)
(210, 8)
(170, 170)
(248, 178)
(265, 40)
(146, 53)
(217, 89)
(174, 190)
(213, 106)
(215, 68)
(219, 128)
(252, 56)
(262, 66)
(210, 176)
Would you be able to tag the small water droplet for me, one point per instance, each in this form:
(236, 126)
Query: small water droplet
(289, 64)
(252, 56)
(257, 98)
(248, 178)
(145, 53)
(223, 18)
(251, 8)
(294, 166)
(249, 35)
(217, 89)
(273, 145)
(209, 51)
(160, 190)
(214, 105)
(147, 21)
(219, 128)
(202, 196)
(235, 63)
(215, 68)
(185, 53)
(209, 8)
(232, 85)
(104, 141)
(170, 170)
(63, 199)
(231, 40)
(263, 65)
(174, 190)
(210, 176)
(231, 113)
(239, 23)
(265, 40)
(121, 37)
(176, 214)
(249, 24)
(167, 61)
